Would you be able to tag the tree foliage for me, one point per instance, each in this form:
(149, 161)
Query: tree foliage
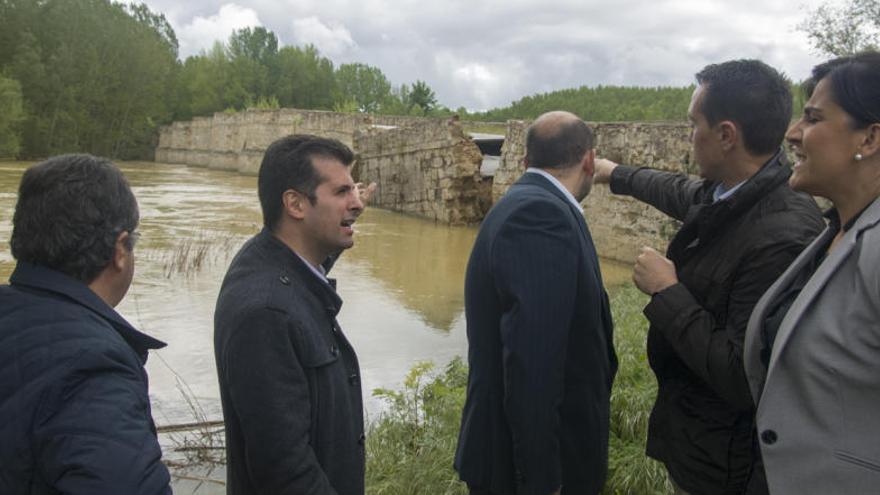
(100, 76)
(367, 86)
(422, 96)
(11, 116)
(94, 75)
(844, 30)
(602, 103)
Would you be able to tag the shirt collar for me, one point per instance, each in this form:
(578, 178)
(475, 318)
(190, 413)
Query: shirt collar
(319, 270)
(721, 193)
(555, 182)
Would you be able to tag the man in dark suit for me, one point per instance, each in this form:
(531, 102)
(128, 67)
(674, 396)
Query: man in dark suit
(539, 330)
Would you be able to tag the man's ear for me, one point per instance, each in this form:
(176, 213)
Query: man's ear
(589, 162)
(122, 255)
(294, 203)
(728, 134)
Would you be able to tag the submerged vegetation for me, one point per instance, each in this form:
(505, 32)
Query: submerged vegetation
(190, 254)
(410, 448)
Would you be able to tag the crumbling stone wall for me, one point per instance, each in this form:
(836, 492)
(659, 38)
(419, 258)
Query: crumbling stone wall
(431, 170)
(620, 225)
(237, 140)
(435, 175)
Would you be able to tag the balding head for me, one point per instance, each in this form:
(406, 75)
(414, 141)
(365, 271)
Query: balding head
(557, 140)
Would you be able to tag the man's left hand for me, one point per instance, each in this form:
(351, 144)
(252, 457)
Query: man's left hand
(653, 272)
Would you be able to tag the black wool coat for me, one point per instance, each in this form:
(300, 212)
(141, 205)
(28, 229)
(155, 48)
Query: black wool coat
(289, 379)
(726, 255)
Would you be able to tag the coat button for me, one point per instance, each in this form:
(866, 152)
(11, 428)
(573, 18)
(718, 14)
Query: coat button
(284, 280)
(769, 437)
(334, 350)
(362, 440)
(520, 477)
(353, 379)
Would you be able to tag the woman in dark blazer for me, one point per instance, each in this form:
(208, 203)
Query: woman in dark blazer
(812, 349)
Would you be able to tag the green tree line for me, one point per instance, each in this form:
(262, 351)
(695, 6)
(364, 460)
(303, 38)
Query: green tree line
(600, 104)
(100, 76)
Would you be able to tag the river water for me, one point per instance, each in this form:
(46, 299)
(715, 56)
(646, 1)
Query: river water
(402, 283)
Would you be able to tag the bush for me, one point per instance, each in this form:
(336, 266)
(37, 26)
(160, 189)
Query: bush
(410, 448)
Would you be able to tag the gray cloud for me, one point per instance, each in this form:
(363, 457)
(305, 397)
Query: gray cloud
(482, 54)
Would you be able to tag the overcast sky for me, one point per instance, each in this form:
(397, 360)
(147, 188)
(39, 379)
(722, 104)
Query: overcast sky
(486, 53)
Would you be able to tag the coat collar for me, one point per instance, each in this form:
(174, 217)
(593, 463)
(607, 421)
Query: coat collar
(531, 179)
(703, 220)
(868, 219)
(292, 264)
(580, 220)
(45, 279)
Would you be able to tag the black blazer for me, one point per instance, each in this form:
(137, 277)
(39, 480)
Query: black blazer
(540, 349)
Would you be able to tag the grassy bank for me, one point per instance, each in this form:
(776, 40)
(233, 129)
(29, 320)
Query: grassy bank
(411, 447)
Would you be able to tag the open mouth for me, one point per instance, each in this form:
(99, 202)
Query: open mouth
(347, 225)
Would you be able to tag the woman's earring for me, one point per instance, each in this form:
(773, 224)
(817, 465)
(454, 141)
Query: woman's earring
(858, 157)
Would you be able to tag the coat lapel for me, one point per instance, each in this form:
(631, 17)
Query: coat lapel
(820, 278)
(533, 179)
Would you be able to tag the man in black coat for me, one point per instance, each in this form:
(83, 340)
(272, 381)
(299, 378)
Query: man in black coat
(289, 379)
(74, 410)
(742, 226)
(539, 330)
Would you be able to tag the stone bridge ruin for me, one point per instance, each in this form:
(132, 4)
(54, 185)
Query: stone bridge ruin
(432, 168)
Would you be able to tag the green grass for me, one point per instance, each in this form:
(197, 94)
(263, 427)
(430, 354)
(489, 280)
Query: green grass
(410, 448)
(629, 470)
(485, 127)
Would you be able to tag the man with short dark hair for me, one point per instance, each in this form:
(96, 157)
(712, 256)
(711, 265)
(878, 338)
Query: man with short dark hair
(539, 330)
(289, 379)
(74, 409)
(742, 226)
